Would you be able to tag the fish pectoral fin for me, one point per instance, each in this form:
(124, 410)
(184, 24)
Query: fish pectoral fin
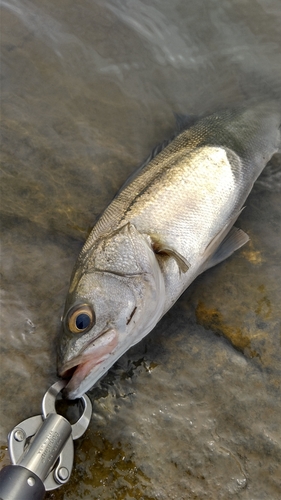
(162, 248)
(214, 244)
(235, 239)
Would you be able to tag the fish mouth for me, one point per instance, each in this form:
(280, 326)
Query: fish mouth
(86, 368)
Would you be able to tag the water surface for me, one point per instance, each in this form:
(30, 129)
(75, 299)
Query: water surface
(88, 88)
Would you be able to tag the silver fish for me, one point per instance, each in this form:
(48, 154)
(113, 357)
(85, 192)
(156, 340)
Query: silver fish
(172, 221)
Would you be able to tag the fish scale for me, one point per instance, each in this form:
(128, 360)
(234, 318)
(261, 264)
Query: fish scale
(172, 221)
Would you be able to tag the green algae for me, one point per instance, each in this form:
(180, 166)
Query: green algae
(103, 468)
(264, 307)
(212, 319)
(4, 456)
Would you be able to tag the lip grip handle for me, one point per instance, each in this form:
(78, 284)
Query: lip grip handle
(18, 483)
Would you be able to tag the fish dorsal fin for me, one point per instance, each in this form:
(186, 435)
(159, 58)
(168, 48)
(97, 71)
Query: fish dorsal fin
(155, 151)
(184, 122)
(162, 248)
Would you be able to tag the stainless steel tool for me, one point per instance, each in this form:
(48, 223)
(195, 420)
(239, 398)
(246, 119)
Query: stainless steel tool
(41, 450)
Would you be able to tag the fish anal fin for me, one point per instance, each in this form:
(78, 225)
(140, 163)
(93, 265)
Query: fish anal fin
(235, 239)
(162, 248)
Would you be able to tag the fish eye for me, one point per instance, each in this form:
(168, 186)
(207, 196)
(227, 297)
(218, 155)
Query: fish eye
(80, 319)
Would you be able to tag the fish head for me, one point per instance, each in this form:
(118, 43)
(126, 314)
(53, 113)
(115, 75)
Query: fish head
(116, 297)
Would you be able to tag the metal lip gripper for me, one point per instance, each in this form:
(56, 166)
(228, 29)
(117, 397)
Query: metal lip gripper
(41, 450)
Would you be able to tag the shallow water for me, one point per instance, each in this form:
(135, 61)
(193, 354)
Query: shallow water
(88, 88)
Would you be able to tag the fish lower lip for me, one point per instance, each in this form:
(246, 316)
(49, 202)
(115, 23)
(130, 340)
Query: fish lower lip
(67, 374)
(67, 369)
(80, 367)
